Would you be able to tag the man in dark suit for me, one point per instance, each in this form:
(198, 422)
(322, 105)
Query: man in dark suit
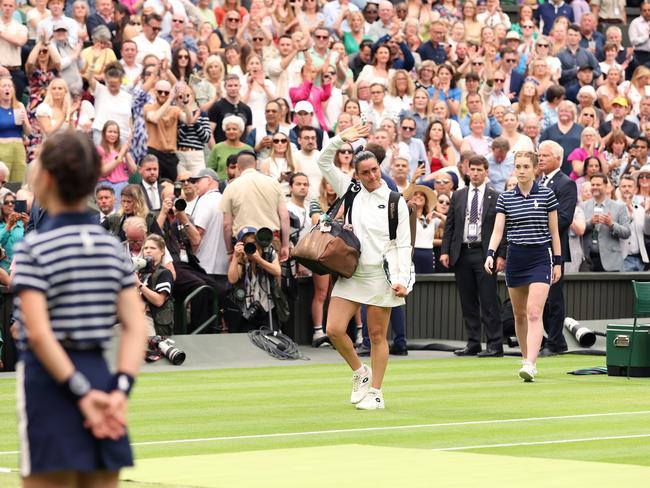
(550, 156)
(149, 171)
(464, 246)
(509, 66)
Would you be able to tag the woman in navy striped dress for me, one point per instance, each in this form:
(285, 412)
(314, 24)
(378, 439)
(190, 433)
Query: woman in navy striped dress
(528, 213)
(73, 282)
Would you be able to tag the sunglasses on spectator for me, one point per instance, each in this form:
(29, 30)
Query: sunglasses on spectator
(321, 37)
(185, 181)
(477, 63)
(156, 29)
(44, 51)
(183, 56)
(162, 93)
(10, 202)
(257, 39)
(510, 60)
(133, 22)
(499, 80)
(280, 141)
(526, 26)
(406, 127)
(443, 202)
(644, 176)
(178, 21)
(346, 151)
(232, 19)
(542, 45)
(589, 115)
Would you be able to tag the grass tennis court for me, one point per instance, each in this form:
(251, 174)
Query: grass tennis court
(452, 422)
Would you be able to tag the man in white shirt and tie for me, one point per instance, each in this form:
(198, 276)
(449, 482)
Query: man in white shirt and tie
(149, 173)
(105, 198)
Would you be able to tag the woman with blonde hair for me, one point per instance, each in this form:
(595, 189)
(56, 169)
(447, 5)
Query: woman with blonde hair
(528, 103)
(589, 144)
(352, 38)
(609, 90)
(14, 124)
(543, 51)
(54, 113)
(540, 75)
(558, 35)
(589, 117)
(400, 91)
(210, 89)
(258, 90)
(279, 164)
(132, 204)
(425, 74)
(420, 112)
(472, 25)
(638, 87)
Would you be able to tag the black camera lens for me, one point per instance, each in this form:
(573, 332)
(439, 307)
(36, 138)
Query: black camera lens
(250, 248)
(180, 205)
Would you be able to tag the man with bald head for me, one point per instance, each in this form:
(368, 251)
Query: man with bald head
(255, 200)
(161, 120)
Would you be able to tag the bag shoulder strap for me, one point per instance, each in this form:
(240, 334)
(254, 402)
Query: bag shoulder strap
(393, 217)
(393, 201)
(348, 199)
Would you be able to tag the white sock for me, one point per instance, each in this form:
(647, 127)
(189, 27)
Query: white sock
(362, 369)
(376, 391)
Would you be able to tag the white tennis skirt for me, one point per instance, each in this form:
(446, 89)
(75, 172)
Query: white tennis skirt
(368, 285)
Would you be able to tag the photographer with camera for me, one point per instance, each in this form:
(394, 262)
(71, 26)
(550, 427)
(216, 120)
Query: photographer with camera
(154, 282)
(12, 228)
(253, 270)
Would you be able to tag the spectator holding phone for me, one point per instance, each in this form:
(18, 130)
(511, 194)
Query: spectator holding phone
(14, 219)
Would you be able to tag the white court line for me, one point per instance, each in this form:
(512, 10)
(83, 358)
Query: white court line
(541, 443)
(375, 429)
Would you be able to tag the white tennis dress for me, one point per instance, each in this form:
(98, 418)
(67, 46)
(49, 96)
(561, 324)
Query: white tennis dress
(369, 284)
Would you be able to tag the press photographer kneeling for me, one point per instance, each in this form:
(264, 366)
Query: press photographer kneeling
(253, 272)
(154, 282)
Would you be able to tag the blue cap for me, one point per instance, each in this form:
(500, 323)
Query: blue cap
(246, 230)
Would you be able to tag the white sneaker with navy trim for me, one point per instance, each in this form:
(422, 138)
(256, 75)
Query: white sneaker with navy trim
(360, 384)
(528, 372)
(374, 400)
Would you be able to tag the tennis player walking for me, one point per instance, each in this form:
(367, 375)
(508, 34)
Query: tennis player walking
(73, 282)
(529, 215)
(370, 284)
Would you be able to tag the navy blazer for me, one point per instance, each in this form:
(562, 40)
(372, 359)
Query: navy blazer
(516, 80)
(566, 192)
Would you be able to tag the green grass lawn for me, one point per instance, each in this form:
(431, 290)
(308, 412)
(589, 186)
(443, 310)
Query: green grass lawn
(435, 404)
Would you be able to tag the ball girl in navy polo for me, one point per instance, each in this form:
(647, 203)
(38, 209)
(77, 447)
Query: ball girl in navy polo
(528, 213)
(73, 282)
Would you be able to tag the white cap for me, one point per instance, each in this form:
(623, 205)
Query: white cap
(303, 106)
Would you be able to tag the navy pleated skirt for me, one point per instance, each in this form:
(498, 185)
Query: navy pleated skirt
(528, 264)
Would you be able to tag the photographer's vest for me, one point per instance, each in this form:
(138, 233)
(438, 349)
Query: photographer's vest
(163, 315)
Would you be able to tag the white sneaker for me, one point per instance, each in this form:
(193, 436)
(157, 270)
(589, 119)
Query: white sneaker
(359, 339)
(374, 400)
(360, 384)
(528, 372)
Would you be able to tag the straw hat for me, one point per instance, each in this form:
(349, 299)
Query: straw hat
(429, 195)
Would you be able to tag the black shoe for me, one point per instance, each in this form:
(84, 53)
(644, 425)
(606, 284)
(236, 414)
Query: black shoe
(490, 353)
(396, 350)
(547, 352)
(468, 351)
(363, 351)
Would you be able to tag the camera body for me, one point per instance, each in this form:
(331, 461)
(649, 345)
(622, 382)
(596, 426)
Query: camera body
(142, 265)
(179, 203)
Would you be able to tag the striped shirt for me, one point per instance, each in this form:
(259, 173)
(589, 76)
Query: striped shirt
(194, 136)
(527, 216)
(81, 269)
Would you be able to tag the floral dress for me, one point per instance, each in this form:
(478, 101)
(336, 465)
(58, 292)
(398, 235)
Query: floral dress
(38, 83)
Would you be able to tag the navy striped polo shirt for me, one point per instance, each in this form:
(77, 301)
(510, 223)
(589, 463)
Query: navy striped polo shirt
(81, 269)
(527, 216)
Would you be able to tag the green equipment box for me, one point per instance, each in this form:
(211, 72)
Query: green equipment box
(619, 341)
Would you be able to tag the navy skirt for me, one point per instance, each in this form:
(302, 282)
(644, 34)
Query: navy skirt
(423, 260)
(528, 264)
(50, 424)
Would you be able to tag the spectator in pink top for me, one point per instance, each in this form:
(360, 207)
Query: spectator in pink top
(316, 95)
(117, 163)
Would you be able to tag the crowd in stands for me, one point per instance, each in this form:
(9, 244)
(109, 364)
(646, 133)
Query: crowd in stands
(209, 117)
